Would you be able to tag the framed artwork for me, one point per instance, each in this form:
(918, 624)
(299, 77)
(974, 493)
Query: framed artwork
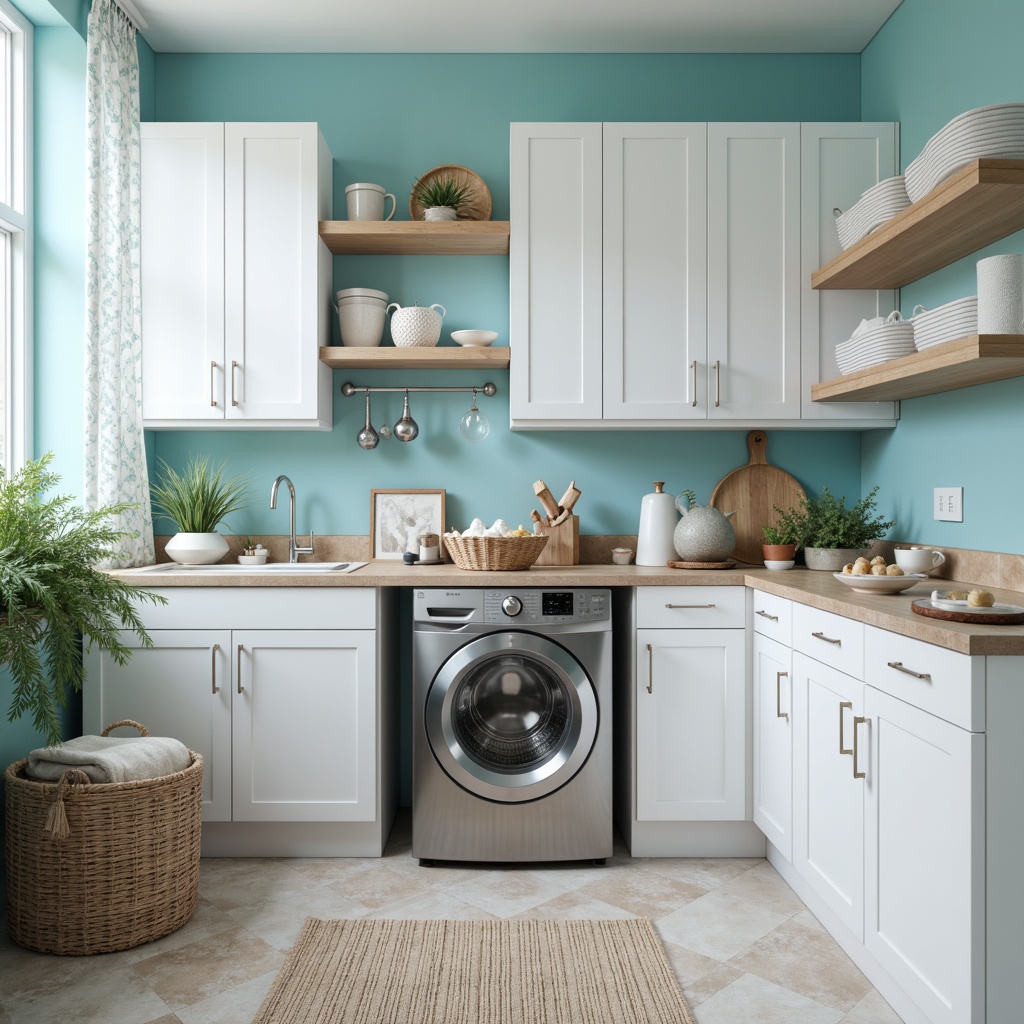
(394, 514)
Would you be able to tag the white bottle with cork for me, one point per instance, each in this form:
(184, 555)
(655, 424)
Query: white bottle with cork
(658, 518)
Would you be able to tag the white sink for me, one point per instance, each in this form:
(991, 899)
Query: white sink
(271, 569)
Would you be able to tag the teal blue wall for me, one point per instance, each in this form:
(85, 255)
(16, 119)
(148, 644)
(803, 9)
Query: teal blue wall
(389, 118)
(933, 60)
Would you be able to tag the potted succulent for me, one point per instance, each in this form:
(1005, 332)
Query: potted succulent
(779, 543)
(441, 197)
(51, 594)
(197, 499)
(830, 533)
(253, 552)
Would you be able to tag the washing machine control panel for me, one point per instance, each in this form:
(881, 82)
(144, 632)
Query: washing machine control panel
(540, 607)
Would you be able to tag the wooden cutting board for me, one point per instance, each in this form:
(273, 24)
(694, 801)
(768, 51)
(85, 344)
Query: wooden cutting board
(753, 491)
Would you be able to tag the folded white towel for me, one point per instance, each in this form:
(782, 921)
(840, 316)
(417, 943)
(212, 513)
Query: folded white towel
(111, 758)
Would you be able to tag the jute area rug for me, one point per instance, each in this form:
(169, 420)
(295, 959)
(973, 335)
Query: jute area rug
(476, 972)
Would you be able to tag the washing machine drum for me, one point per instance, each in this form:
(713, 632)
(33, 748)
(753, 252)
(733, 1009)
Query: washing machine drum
(511, 716)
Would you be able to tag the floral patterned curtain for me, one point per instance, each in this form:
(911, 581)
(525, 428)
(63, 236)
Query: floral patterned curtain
(115, 454)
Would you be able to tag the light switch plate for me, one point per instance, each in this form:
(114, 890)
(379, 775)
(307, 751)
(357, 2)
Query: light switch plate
(949, 504)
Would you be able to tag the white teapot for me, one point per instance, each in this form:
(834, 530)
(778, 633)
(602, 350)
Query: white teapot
(416, 326)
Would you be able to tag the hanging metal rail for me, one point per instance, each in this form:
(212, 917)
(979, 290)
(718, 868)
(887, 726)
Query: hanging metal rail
(348, 389)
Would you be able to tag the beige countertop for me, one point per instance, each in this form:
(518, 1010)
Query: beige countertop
(818, 589)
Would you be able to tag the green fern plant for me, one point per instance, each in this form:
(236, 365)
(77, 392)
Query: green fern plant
(51, 594)
(826, 522)
(198, 498)
(441, 192)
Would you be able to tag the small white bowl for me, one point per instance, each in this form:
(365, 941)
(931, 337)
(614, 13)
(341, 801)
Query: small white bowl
(622, 556)
(772, 564)
(477, 339)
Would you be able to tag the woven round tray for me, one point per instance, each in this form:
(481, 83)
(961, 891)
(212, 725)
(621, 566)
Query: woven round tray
(478, 205)
(123, 870)
(494, 553)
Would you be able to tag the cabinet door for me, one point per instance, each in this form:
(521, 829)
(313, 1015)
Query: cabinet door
(555, 273)
(655, 271)
(773, 742)
(182, 267)
(180, 687)
(690, 725)
(753, 271)
(925, 872)
(274, 305)
(839, 163)
(304, 724)
(828, 802)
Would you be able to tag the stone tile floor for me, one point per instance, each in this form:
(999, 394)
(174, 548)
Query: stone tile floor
(744, 947)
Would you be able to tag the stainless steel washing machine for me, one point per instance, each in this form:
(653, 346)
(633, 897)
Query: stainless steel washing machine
(512, 737)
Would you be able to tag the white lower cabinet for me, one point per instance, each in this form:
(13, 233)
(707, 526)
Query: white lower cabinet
(295, 724)
(773, 741)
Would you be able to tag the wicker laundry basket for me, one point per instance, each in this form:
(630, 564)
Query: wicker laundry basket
(494, 553)
(124, 872)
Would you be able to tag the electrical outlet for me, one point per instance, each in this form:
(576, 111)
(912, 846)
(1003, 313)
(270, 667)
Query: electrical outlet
(949, 504)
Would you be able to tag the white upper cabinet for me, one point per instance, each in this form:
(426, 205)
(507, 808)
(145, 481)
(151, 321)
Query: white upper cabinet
(839, 163)
(235, 280)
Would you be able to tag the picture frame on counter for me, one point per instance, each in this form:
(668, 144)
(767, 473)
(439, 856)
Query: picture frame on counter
(397, 515)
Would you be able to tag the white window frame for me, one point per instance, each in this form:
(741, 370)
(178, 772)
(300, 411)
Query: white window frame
(16, 221)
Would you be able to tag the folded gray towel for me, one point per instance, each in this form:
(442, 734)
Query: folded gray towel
(110, 758)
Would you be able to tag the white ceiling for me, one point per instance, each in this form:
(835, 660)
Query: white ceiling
(519, 26)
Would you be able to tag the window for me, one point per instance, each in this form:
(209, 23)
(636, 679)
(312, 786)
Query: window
(15, 237)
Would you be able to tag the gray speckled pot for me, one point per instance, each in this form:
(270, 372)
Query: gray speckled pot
(704, 534)
(832, 559)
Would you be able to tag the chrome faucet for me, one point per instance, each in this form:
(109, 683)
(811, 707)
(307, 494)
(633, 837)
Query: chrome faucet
(293, 547)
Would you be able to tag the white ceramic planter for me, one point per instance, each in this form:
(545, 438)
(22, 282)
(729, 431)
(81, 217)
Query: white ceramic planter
(260, 559)
(196, 548)
(440, 213)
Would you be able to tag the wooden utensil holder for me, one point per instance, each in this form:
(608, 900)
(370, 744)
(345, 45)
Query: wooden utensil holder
(563, 546)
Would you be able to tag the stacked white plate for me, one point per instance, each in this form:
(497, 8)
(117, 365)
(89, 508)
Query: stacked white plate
(956, 319)
(994, 131)
(874, 343)
(875, 207)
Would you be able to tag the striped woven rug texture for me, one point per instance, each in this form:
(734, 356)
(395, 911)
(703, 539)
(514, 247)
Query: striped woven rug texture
(476, 972)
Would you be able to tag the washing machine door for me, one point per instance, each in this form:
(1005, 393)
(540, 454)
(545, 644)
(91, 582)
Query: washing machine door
(511, 716)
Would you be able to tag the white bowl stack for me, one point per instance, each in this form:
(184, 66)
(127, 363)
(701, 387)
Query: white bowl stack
(875, 207)
(875, 342)
(993, 131)
(956, 319)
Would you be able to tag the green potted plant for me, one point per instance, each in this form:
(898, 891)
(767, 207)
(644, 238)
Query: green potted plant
(831, 533)
(779, 543)
(253, 552)
(441, 198)
(51, 594)
(197, 499)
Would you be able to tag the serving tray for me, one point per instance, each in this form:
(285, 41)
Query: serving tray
(997, 615)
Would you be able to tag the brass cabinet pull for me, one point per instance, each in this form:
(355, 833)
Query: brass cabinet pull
(693, 381)
(842, 706)
(718, 383)
(691, 606)
(827, 639)
(214, 651)
(779, 713)
(898, 665)
(650, 669)
(856, 721)
(238, 668)
(234, 366)
(766, 615)
(213, 366)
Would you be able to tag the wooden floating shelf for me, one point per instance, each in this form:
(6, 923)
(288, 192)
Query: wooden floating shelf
(446, 358)
(979, 359)
(977, 206)
(416, 238)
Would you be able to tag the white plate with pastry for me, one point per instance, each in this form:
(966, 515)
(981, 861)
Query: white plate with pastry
(868, 584)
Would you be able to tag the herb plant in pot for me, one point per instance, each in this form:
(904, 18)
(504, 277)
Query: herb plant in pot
(441, 198)
(197, 499)
(51, 594)
(779, 543)
(830, 533)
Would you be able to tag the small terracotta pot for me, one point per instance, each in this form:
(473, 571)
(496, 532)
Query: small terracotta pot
(778, 552)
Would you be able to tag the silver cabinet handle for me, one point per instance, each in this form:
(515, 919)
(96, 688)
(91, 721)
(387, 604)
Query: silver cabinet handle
(898, 665)
(766, 615)
(779, 713)
(827, 639)
(238, 668)
(691, 606)
(842, 707)
(234, 366)
(213, 366)
(693, 381)
(718, 383)
(650, 669)
(856, 721)
(214, 651)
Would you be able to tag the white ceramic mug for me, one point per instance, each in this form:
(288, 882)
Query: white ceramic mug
(919, 559)
(366, 201)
